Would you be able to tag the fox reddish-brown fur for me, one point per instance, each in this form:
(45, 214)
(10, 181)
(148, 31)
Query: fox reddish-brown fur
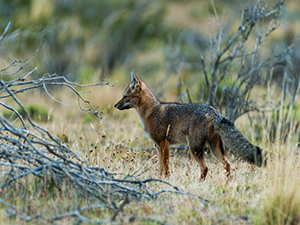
(195, 124)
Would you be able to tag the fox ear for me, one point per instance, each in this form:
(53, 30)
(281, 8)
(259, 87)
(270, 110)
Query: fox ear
(135, 79)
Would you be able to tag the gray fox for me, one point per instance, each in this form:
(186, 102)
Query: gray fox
(195, 124)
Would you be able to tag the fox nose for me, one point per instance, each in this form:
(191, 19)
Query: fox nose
(115, 105)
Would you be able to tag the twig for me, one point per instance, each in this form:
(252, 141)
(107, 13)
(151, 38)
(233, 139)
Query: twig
(5, 32)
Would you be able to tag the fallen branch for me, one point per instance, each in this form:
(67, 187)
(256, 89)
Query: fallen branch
(36, 163)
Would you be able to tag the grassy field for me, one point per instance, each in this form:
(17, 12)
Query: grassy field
(268, 195)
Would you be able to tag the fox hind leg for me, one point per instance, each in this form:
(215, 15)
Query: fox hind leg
(218, 150)
(197, 151)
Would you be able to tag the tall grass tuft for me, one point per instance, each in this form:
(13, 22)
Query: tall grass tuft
(281, 201)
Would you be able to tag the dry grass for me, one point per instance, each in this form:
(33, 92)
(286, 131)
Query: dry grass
(261, 196)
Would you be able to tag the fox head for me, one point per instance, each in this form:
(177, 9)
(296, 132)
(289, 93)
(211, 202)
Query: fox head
(131, 96)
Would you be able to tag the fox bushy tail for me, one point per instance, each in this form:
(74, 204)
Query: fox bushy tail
(235, 141)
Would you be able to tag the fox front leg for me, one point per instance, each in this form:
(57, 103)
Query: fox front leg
(163, 157)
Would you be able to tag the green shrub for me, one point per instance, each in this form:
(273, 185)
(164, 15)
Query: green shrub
(35, 111)
(88, 118)
(220, 94)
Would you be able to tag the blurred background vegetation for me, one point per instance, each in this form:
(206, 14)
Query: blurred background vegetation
(91, 40)
(163, 40)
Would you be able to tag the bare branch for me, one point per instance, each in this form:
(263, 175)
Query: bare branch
(5, 32)
(15, 111)
(33, 154)
(17, 63)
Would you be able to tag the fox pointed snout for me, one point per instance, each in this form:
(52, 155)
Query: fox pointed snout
(117, 106)
(120, 105)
